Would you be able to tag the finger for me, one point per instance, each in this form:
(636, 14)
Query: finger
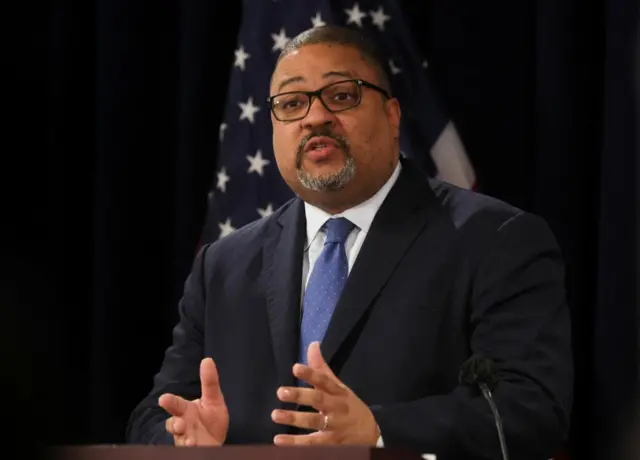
(179, 426)
(178, 441)
(168, 425)
(211, 393)
(311, 397)
(306, 420)
(175, 425)
(304, 397)
(315, 438)
(173, 404)
(315, 359)
(319, 379)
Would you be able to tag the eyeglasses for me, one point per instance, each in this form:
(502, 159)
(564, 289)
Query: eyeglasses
(336, 97)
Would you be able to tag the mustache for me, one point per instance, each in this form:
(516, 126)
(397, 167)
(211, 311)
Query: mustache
(324, 132)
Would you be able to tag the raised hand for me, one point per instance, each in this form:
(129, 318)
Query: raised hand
(201, 422)
(342, 417)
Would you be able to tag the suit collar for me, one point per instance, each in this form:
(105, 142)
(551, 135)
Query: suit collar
(283, 271)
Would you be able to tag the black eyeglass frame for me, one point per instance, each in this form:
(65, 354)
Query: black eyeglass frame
(317, 93)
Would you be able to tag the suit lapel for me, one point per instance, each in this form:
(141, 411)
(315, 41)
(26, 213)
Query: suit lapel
(400, 219)
(283, 252)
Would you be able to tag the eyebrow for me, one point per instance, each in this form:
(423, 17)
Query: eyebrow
(333, 73)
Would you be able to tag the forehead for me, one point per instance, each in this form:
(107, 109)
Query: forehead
(311, 64)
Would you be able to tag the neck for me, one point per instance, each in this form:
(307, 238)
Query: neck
(334, 204)
(353, 194)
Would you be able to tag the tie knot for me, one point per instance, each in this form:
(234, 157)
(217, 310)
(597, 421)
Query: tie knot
(338, 230)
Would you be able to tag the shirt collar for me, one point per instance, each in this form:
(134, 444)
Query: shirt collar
(361, 215)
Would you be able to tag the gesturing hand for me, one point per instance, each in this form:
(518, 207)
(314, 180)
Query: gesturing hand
(343, 418)
(204, 421)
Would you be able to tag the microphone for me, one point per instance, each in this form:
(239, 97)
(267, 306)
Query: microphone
(481, 371)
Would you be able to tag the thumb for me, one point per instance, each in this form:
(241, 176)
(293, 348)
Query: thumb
(211, 392)
(315, 359)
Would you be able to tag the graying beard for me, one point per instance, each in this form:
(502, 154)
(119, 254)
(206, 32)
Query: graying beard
(331, 182)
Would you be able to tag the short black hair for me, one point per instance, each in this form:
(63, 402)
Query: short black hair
(330, 34)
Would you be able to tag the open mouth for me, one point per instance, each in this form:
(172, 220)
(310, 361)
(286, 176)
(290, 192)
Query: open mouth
(320, 143)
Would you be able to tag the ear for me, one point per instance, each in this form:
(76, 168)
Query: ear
(392, 108)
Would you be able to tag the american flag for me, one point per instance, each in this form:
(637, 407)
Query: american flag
(247, 184)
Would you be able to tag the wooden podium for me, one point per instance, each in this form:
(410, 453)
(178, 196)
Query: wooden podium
(267, 452)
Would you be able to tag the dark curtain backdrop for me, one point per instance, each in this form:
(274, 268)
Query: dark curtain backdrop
(113, 112)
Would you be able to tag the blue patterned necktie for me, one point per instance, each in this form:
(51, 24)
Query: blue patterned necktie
(327, 279)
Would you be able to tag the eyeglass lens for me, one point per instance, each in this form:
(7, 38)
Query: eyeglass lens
(337, 97)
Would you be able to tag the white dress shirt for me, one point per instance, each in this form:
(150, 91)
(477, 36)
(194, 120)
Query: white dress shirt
(361, 215)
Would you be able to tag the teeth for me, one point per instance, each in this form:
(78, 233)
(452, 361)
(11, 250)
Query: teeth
(320, 146)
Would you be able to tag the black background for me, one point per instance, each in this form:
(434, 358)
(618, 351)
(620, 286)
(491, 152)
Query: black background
(113, 108)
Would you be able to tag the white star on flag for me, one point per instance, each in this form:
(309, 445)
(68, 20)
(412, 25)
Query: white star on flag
(355, 15)
(257, 163)
(280, 40)
(379, 18)
(241, 57)
(223, 178)
(317, 20)
(248, 110)
(395, 70)
(223, 127)
(225, 228)
(266, 212)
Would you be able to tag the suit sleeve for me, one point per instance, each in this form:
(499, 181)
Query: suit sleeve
(179, 373)
(519, 318)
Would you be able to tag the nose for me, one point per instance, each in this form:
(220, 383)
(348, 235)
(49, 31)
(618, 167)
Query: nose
(318, 115)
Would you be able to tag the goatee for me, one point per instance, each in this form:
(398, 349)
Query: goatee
(328, 182)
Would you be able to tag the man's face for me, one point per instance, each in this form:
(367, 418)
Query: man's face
(340, 158)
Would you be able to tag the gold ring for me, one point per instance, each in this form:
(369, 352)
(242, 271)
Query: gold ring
(326, 423)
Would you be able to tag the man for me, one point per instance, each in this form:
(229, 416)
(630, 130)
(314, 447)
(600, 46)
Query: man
(344, 317)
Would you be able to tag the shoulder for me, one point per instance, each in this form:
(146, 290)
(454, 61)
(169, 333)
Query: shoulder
(477, 217)
(467, 207)
(464, 209)
(247, 240)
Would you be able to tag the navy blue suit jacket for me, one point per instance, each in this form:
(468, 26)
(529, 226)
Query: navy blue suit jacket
(443, 273)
